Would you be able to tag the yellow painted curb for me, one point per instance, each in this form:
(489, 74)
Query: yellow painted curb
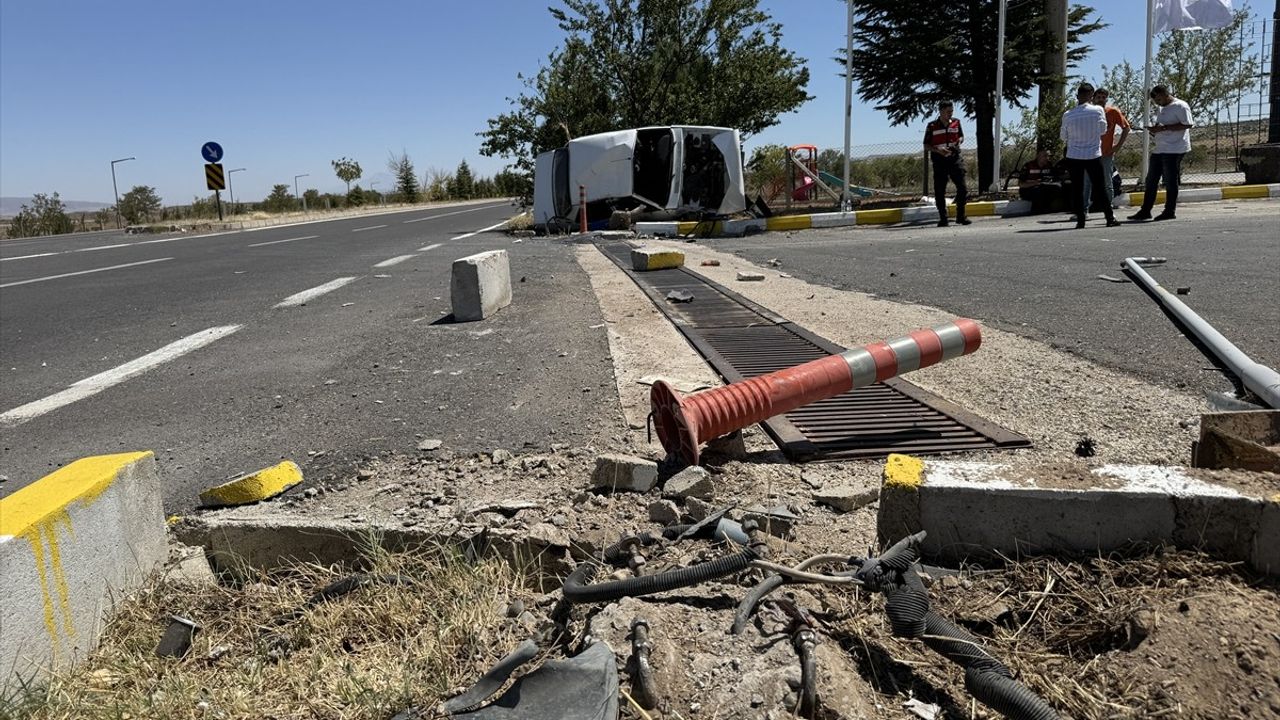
(654, 259)
(878, 217)
(1245, 192)
(790, 222)
(977, 209)
(1136, 198)
(46, 499)
(259, 486)
(903, 471)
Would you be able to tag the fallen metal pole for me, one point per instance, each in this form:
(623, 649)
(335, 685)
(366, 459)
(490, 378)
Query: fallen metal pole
(1258, 379)
(684, 422)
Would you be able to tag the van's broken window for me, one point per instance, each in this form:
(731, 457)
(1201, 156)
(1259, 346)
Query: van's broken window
(651, 166)
(706, 177)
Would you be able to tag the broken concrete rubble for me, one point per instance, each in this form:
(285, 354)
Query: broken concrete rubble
(627, 473)
(693, 481)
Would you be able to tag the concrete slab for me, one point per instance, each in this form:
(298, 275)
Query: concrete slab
(72, 544)
(973, 510)
(480, 285)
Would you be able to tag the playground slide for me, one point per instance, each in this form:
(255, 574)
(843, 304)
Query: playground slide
(802, 193)
(836, 182)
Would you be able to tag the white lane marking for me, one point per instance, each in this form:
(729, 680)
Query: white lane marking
(97, 383)
(104, 247)
(432, 246)
(274, 242)
(83, 272)
(183, 237)
(455, 212)
(28, 257)
(394, 261)
(481, 230)
(315, 292)
(371, 227)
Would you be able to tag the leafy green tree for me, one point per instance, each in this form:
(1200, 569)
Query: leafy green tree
(631, 63)
(463, 185)
(484, 188)
(406, 178)
(911, 54)
(347, 170)
(102, 218)
(139, 204)
(1208, 69)
(46, 215)
(280, 199)
(355, 197)
(511, 184)
(311, 199)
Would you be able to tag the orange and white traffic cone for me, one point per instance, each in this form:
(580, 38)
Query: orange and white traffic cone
(684, 423)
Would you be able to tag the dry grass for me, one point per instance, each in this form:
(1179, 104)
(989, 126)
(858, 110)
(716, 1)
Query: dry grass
(368, 654)
(1071, 631)
(523, 221)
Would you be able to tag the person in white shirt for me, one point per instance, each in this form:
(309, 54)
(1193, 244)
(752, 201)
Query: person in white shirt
(1082, 129)
(1172, 133)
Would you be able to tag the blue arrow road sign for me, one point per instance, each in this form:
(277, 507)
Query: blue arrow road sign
(211, 151)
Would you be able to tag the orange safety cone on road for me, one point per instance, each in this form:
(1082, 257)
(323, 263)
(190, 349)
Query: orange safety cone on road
(685, 422)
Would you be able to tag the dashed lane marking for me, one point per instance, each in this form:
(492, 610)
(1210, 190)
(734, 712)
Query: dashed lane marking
(455, 212)
(83, 272)
(432, 246)
(393, 261)
(306, 295)
(371, 227)
(93, 385)
(276, 242)
(481, 230)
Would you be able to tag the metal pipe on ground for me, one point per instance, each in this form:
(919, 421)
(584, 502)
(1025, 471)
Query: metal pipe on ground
(685, 422)
(1258, 379)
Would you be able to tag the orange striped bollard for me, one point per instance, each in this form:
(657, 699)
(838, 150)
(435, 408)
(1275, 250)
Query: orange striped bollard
(582, 209)
(685, 422)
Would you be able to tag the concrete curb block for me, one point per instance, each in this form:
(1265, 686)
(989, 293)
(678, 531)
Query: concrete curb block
(71, 544)
(480, 285)
(643, 259)
(255, 487)
(972, 510)
(921, 213)
(1191, 195)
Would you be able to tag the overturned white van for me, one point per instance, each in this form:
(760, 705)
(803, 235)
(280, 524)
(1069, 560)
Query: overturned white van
(680, 170)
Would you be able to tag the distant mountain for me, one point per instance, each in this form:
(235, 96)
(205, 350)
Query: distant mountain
(9, 206)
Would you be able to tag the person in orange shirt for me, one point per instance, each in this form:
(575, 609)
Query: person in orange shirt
(1110, 145)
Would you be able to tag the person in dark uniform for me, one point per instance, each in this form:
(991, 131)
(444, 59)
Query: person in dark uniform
(942, 138)
(1038, 183)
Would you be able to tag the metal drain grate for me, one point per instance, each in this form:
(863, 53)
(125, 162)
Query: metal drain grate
(741, 339)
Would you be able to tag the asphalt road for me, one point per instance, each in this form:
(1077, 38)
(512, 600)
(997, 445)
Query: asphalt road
(324, 342)
(1038, 276)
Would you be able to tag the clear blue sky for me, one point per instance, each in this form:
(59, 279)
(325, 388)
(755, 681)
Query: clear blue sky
(287, 87)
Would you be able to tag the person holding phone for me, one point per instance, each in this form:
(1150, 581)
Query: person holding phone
(1172, 134)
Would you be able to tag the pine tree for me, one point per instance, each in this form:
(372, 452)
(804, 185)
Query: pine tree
(463, 187)
(406, 177)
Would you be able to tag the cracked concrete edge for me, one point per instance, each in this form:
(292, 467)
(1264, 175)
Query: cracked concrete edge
(974, 510)
(72, 544)
(254, 487)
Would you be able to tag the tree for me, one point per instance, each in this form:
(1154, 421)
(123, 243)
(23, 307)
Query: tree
(910, 54)
(436, 184)
(511, 184)
(311, 198)
(347, 170)
(406, 178)
(280, 199)
(463, 185)
(139, 204)
(46, 215)
(355, 197)
(1206, 68)
(631, 63)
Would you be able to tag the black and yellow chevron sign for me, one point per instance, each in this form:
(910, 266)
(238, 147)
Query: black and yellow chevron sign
(213, 176)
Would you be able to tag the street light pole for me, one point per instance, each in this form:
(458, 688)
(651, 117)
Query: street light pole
(295, 189)
(1004, 9)
(115, 189)
(845, 205)
(230, 189)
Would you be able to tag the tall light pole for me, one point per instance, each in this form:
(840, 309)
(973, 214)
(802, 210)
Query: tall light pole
(1004, 9)
(115, 189)
(230, 189)
(848, 100)
(295, 190)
